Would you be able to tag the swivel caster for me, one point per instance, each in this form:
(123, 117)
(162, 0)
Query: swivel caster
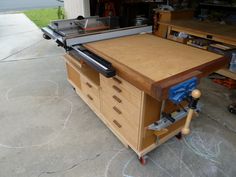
(179, 136)
(143, 160)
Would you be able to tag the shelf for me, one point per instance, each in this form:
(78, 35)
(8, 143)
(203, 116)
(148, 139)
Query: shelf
(84, 70)
(227, 73)
(218, 5)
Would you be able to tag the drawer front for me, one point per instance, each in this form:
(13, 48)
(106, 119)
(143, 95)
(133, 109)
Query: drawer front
(119, 123)
(73, 75)
(88, 86)
(122, 107)
(121, 87)
(92, 99)
(91, 92)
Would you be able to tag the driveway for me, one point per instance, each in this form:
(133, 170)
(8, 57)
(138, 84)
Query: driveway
(18, 5)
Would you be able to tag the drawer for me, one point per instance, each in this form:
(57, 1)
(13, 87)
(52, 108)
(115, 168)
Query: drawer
(117, 85)
(119, 124)
(122, 107)
(89, 86)
(92, 99)
(73, 75)
(91, 92)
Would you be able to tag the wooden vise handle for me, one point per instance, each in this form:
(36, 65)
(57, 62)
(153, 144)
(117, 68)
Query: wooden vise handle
(196, 95)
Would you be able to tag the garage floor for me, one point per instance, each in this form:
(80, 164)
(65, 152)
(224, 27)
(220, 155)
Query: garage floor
(48, 131)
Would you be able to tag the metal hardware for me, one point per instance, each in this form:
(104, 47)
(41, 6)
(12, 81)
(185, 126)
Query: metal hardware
(116, 98)
(163, 104)
(117, 110)
(169, 117)
(109, 34)
(165, 122)
(116, 89)
(71, 35)
(90, 59)
(117, 124)
(102, 66)
(180, 92)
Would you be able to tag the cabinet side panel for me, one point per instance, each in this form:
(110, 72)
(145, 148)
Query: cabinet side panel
(150, 113)
(73, 75)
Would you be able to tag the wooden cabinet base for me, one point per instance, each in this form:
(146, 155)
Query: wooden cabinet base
(123, 108)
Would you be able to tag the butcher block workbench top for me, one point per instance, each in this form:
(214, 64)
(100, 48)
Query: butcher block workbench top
(152, 63)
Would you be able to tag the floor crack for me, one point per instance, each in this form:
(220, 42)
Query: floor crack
(221, 123)
(73, 166)
(2, 59)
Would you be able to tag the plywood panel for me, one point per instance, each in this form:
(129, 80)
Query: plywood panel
(219, 32)
(150, 56)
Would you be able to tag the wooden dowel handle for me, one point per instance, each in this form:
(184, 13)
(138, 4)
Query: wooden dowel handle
(186, 130)
(195, 95)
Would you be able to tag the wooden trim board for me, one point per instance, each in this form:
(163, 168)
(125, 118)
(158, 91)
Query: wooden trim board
(211, 31)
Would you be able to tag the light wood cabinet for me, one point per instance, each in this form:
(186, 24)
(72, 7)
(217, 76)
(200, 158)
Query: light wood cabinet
(125, 109)
(136, 104)
(121, 104)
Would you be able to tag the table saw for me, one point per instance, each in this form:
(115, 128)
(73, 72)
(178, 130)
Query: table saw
(144, 88)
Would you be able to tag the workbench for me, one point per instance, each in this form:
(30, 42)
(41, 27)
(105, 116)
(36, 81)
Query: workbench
(146, 68)
(215, 32)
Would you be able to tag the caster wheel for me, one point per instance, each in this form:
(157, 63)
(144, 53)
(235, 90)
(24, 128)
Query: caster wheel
(73, 88)
(143, 160)
(179, 136)
(232, 108)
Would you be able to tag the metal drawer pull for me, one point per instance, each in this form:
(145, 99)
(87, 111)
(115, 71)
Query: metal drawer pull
(117, 110)
(117, 80)
(117, 89)
(117, 99)
(89, 85)
(90, 97)
(117, 124)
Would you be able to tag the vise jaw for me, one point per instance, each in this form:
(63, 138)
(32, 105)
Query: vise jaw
(180, 92)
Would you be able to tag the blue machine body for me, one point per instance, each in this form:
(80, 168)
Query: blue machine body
(180, 92)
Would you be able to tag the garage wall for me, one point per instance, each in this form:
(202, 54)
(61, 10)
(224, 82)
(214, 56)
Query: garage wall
(74, 8)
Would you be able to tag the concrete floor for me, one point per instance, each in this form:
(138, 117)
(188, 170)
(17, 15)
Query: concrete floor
(48, 131)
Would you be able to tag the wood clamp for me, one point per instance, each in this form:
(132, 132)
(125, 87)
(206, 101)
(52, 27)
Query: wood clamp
(196, 94)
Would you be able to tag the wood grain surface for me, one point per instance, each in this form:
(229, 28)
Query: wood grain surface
(221, 32)
(145, 59)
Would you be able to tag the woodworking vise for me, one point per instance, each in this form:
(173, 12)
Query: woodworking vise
(185, 91)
